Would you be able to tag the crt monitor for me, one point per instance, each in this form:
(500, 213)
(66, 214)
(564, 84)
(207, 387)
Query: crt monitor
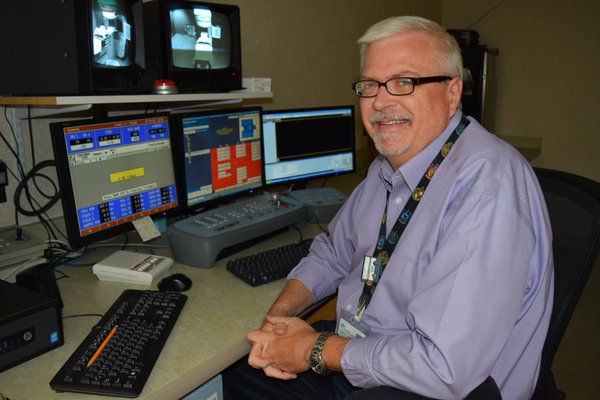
(219, 154)
(197, 44)
(113, 171)
(116, 50)
(307, 143)
(112, 33)
(73, 47)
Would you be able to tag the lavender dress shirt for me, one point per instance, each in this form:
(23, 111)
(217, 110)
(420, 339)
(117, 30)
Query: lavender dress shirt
(468, 290)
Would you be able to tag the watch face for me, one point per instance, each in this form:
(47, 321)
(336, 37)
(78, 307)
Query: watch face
(316, 356)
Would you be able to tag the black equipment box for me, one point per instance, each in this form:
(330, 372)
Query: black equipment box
(30, 324)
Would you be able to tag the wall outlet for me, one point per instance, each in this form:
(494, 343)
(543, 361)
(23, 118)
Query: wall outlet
(13, 251)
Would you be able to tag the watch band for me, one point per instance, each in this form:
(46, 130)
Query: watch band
(316, 361)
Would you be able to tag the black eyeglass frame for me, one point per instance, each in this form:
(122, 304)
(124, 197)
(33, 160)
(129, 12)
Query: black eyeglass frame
(415, 82)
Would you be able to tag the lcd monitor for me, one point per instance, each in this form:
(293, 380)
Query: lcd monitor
(308, 143)
(219, 155)
(113, 171)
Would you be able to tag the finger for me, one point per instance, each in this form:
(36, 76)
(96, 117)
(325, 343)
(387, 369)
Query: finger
(273, 319)
(259, 363)
(255, 358)
(275, 372)
(256, 337)
(280, 328)
(279, 324)
(266, 327)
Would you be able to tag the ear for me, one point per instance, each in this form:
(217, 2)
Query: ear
(454, 93)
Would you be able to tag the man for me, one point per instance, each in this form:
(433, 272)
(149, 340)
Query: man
(441, 286)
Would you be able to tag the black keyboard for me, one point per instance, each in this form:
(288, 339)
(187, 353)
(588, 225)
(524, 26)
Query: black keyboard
(269, 265)
(137, 326)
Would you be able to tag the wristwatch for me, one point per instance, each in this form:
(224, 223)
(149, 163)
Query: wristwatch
(316, 361)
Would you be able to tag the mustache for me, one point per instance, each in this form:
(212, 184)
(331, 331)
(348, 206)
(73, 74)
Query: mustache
(380, 116)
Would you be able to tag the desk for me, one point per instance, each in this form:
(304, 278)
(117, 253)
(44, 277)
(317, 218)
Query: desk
(208, 336)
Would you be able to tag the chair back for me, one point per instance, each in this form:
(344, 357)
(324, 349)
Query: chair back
(574, 208)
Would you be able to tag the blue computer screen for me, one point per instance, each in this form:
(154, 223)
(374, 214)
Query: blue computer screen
(221, 153)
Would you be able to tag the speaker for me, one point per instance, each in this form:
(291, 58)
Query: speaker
(40, 42)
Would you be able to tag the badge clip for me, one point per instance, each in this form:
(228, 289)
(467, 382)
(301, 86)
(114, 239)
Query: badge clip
(371, 270)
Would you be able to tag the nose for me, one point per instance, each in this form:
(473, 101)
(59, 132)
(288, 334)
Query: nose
(383, 99)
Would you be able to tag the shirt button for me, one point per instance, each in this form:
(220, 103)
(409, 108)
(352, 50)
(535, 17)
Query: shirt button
(398, 200)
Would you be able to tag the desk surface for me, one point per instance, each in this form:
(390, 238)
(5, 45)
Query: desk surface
(208, 336)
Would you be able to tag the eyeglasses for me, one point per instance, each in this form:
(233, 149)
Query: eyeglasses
(400, 86)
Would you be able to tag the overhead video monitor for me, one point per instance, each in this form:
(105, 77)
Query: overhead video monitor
(196, 44)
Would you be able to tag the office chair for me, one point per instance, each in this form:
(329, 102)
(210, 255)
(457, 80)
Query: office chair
(573, 204)
(574, 207)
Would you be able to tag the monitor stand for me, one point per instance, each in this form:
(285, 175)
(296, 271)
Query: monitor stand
(322, 203)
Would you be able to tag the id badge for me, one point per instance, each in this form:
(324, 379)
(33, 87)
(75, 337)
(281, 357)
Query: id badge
(372, 270)
(351, 329)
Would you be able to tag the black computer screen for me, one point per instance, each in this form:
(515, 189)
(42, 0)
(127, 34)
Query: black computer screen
(307, 143)
(113, 171)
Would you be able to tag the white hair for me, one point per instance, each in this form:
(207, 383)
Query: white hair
(450, 60)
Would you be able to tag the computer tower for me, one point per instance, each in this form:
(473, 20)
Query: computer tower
(479, 90)
(30, 324)
(480, 78)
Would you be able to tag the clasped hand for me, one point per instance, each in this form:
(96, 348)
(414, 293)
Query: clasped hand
(282, 346)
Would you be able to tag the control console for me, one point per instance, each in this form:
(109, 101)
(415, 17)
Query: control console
(322, 203)
(198, 240)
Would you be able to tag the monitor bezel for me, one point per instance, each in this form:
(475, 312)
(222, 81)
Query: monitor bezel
(66, 184)
(301, 181)
(177, 119)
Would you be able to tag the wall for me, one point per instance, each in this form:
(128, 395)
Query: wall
(549, 67)
(307, 47)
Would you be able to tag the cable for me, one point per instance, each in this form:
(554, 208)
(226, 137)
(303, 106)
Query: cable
(22, 186)
(485, 14)
(38, 210)
(314, 216)
(30, 134)
(32, 262)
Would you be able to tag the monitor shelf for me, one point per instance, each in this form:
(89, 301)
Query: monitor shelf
(141, 98)
(45, 106)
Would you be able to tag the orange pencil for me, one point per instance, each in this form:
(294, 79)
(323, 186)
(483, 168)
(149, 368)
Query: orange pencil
(102, 346)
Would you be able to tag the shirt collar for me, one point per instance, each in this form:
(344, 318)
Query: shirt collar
(413, 170)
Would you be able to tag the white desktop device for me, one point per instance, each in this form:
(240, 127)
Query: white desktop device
(131, 267)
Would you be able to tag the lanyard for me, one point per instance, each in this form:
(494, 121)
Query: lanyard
(374, 266)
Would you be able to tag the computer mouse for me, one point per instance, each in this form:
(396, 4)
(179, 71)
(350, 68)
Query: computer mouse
(175, 283)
